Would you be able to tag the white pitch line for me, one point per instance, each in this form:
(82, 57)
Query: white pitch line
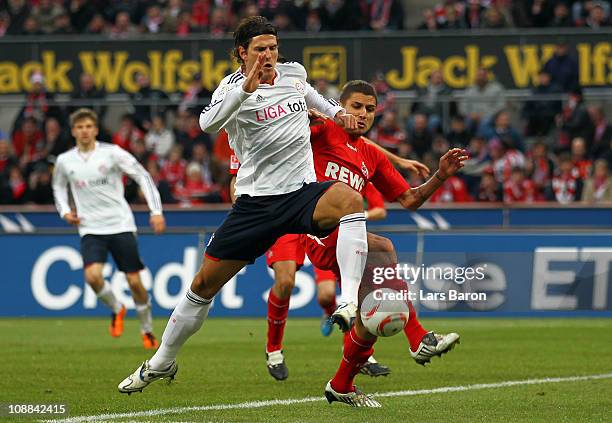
(270, 403)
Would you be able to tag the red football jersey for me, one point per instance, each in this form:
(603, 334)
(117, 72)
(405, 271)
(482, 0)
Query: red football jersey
(339, 157)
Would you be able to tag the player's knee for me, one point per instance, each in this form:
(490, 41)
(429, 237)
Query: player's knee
(325, 297)
(380, 244)
(361, 331)
(377, 243)
(133, 279)
(202, 287)
(93, 277)
(285, 282)
(352, 201)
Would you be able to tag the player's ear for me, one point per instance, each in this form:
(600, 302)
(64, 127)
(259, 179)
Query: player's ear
(242, 53)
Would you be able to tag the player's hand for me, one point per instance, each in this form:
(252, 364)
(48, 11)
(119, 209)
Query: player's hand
(254, 77)
(315, 114)
(451, 162)
(72, 218)
(158, 223)
(413, 166)
(345, 120)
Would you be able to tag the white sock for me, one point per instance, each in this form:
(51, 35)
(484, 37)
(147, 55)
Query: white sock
(186, 319)
(352, 254)
(107, 297)
(144, 315)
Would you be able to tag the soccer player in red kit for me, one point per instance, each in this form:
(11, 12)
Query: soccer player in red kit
(285, 257)
(343, 155)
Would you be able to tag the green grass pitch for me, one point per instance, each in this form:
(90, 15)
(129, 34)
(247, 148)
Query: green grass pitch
(75, 361)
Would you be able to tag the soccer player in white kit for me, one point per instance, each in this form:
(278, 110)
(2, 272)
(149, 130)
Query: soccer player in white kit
(264, 109)
(94, 171)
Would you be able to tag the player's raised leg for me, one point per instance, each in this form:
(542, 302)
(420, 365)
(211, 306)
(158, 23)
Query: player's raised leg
(423, 344)
(104, 292)
(186, 320)
(341, 204)
(358, 346)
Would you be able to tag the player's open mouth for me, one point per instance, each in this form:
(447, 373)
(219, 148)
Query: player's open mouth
(361, 124)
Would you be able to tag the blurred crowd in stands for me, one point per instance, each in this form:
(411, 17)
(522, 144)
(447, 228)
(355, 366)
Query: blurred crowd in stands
(492, 14)
(554, 147)
(125, 18)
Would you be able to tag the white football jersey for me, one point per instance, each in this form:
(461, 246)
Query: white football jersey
(96, 182)
(268, 129)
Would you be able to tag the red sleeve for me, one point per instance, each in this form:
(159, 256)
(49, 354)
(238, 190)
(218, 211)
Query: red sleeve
(373, 197)
(234, 164)
(386, 178)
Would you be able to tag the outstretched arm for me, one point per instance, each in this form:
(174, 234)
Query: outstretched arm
(450, 163)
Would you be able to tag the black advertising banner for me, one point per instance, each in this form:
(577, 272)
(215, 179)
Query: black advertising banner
(406, 61)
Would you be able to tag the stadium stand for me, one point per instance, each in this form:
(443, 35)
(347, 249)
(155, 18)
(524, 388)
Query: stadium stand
(520, 140)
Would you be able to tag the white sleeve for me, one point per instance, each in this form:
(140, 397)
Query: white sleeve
(226, 100)
(328, 106)
(60, 190)
(130, 166)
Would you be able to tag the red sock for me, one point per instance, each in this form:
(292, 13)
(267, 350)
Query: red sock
(356, 352)
(278, 309)
(329, 309)
(413, 330)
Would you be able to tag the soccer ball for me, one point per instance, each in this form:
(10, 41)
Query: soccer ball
(384, 312)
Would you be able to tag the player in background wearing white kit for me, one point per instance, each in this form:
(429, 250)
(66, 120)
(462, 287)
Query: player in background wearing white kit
(264, 109)
(105, 221)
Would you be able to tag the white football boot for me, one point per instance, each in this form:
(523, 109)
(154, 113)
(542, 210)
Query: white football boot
(344, 316)
(434, 344)
(357, 398)
(144, 375)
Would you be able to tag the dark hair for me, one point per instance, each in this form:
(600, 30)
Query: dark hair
(247, 29)
(83, 113)
(357, 86)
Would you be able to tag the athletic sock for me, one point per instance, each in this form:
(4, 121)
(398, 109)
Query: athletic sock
(413, 329)
(144, 315)
(278, 309)
(352, 254)
(107, 296)
(186, 319)
(355, 353)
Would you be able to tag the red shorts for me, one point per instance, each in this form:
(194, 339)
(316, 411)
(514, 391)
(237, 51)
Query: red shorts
(324, 275)
(286, 248)
(322, 251)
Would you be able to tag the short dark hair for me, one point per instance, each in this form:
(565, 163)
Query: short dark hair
(357, 86)
(247, 29)
(83, 113)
